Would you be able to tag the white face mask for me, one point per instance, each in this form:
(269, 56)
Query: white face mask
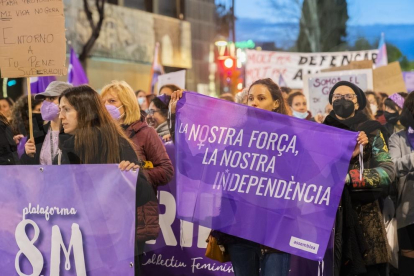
(374, 108)
(300, 115)
(141, 100)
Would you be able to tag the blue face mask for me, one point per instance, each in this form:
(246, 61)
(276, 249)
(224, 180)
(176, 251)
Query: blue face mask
(300, 115)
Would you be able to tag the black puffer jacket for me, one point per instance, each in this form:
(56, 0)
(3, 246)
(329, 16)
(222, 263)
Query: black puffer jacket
(8, 148)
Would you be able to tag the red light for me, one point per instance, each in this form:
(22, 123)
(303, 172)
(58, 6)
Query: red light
(229, 62)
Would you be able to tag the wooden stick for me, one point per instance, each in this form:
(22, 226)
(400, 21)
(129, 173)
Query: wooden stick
(29, 103)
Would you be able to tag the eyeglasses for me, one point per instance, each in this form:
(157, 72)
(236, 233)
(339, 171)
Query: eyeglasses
(346, 96)
(151, 111)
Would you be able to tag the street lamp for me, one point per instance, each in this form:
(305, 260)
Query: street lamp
(221, 44)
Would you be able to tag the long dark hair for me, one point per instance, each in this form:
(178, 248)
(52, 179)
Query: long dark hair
(276, 93)
(407, 114)
(3, 119)
(98, 137)
(20, 114)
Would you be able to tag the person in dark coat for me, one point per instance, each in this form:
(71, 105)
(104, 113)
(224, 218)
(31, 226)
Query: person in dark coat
(45, 145)
(360, 238)
(8, 148)
(120, 100)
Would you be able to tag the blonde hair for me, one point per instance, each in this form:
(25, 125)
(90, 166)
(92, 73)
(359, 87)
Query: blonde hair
(127, 97)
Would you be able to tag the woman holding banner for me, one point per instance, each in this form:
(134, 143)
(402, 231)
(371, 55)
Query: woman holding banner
(402, 154)
(249, 258)
(120, 100)
(360, 239)
(95, 138)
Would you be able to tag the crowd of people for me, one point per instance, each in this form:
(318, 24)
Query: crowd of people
(77, 125)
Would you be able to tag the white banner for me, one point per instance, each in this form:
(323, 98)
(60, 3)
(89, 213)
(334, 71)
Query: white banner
(293, 66)
(317, 86)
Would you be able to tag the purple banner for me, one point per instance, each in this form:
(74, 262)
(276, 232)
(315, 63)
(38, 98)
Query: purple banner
(174, 254)
(180, 248)
(259, 175)
(409, 81)
(67, 220)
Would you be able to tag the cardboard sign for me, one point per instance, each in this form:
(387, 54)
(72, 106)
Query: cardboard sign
(32, 38)
(389, 79)
(360, 64)
(294, 66)
(318, 86)
(177, 78)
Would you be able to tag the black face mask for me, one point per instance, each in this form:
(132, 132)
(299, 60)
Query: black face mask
(391, 118)
(343, 108)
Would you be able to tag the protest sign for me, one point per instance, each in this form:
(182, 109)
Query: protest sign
(259, 175)
(180, 248)
(293, 66)
(317, 86)
(409, 80)
(177, 78)
(32, 38)
(389, 79)
(361, 64)
(67, 220)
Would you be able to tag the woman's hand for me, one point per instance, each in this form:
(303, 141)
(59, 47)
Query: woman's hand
(127, 166)
(362, 139)
(30, 148)
(17, 138)
(175, 96)
(166, 137)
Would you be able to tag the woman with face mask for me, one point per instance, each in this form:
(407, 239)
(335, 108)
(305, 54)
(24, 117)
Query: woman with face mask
(298, 104)
(249, 258)
(43, 149)
(360, 240)
(120, 100)
(402, 154)
(393, 107)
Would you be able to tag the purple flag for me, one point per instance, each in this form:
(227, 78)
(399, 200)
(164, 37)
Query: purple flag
(260, 175)
(39, 84)
(382, 58)
(76, 74)
(67, 220)
(409, 80)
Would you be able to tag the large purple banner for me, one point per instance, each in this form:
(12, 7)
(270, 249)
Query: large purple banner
(67, 220)
(180, 248)
(259, 175)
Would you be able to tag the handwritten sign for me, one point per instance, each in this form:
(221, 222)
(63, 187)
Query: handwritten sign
(318, 86)
(389, 79)
(294, 66)
(360, 64)
(32, 38)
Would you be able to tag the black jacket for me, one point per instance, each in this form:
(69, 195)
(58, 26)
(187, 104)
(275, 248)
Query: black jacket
(144, 192)
(8, 148)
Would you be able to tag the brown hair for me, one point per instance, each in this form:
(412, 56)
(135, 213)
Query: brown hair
(97, 134)
(292, 96)
(173, 87)
(275, 92)
(3, 119)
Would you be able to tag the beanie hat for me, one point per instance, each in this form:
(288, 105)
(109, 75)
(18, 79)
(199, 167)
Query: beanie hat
(362, 100)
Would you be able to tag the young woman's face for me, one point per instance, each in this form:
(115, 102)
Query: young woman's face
(390, 110)
(69, 116)
(154, 117)
(142, 100)
(299, 104)
(260, 97)
(5, 108)
(111, 98)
